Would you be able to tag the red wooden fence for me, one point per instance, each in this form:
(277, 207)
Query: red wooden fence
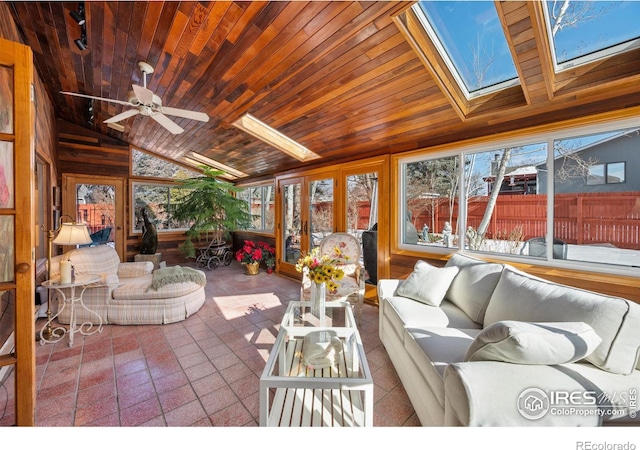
(586, 218)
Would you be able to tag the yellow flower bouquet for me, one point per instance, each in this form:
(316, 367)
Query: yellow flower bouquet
(321, 268)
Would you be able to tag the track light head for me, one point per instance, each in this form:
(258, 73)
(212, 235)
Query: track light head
(82, 42)
(78, 15)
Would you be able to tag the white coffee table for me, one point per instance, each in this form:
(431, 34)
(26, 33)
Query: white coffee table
(292, 394)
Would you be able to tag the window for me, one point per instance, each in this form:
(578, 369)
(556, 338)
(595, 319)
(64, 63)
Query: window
(596, 209)
(146, 165)
(577, 190)
(610, 173)
(275, 138)
(584, 31)
(502, 208)
(160, 200)
(261, 200)
(431, 190)
(470, 39)
(615, 172)
(595, 174)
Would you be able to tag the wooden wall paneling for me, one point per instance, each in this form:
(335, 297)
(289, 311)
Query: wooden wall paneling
(304, 67)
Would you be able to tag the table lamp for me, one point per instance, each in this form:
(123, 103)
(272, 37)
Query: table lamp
(69, 233)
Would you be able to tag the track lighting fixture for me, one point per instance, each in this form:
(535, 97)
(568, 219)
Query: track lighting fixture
(91, 116)
(78, 15)
(82, 42)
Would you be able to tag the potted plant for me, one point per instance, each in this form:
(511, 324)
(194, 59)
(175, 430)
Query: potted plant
(210, 206)
(250, 255)
(268, 256)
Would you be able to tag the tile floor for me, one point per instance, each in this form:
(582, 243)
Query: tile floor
(203, 371)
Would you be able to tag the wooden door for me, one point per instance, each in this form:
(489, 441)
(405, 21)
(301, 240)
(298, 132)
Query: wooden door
(17, 225)
(305, 216)
(362, 215)
(98, 202)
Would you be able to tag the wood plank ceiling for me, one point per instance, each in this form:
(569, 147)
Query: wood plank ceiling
(339, 77)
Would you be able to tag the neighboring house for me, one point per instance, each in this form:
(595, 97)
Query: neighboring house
(609, 161)
(517, 181)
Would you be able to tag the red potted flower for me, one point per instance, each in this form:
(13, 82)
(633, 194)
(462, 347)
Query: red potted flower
(268, 255)
(250, 255)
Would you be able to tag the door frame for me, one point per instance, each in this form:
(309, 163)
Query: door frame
(19, 58)
(70, 180)
(285, 268)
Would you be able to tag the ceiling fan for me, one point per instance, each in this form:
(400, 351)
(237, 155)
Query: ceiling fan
(145, 102)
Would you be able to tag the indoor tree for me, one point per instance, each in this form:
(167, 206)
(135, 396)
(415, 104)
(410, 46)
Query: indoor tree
(211, 206)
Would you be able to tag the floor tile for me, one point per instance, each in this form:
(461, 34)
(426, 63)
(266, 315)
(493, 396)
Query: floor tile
(204, 371)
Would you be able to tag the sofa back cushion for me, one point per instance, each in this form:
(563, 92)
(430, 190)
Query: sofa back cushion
(99, 260)
(472, 287)
(523, 297)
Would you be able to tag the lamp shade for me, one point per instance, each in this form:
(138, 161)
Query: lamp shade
(72, 234)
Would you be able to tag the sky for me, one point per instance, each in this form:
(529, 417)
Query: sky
(472, 28)
(604, 24)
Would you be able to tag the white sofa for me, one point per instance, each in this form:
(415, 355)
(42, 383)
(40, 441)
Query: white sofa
(572, 354)
(124, 295)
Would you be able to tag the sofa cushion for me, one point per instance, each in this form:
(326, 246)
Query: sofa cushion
(488, 393)
(523, 297)
(403, 312)
(138, 289)
(433, 349)
(533, 343)
(472, 287)
(427, 284)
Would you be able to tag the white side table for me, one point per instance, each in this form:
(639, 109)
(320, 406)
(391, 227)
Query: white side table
(85, 328)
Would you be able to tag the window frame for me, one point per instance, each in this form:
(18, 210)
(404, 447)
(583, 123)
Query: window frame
(595, 56)
(463, 148)
(146, 182)
(451, 65)
(263, 186)
(480, 103)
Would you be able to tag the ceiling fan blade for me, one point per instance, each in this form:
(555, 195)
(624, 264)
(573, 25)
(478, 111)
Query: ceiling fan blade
(167, 123)
(120, 102)
(123, 115)
(194, 115)
(144, 95)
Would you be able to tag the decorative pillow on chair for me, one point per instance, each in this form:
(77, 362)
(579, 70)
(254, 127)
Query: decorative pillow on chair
(546, 343)
(427, 284)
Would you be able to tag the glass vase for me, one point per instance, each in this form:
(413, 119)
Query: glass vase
(318, 299)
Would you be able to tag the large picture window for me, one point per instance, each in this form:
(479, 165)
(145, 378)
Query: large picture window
(431, 188)
(502, 199)
(159, 200)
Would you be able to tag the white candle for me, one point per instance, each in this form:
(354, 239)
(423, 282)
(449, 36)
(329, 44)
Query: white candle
(65, 272)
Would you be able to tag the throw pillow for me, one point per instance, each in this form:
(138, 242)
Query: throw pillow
(546, 343)
(427, 284)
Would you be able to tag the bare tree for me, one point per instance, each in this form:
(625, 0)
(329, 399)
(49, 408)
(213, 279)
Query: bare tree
(483, 59)
(570, 13)
(564, 13)
(476, 237)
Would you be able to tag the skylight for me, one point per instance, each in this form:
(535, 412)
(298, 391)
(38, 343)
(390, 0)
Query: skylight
(584, 31)
(274, 138)
(470, 39)
(198, 159)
